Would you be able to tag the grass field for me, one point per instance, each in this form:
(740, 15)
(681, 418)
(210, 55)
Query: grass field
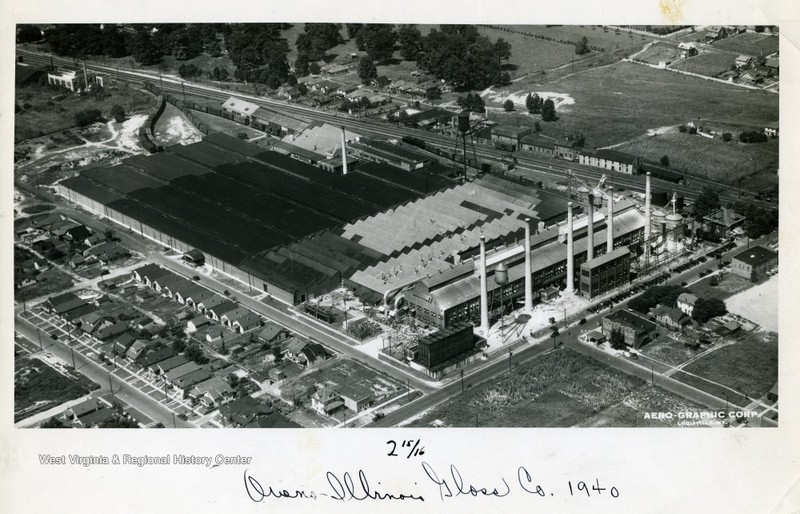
(38, 387)
(622, 101)
(658, 52)
(712, 158)
(668, 350)
(597, 36)
(53, 109)
(749, 43)
(558, 389)
(710, 64)
(749, 366)
(729, 285)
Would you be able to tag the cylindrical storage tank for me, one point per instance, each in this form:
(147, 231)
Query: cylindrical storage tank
(680, 201)
(674, 221)
(501, 274)
(659, 198)
(463, 121)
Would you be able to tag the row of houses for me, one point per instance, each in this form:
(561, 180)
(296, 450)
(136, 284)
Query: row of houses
(211, 307)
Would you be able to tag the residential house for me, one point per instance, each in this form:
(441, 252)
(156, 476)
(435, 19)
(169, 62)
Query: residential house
(166, 365)
(245, 410)
(751, 77)
(771, 129)
(96, 320)
(273, 333)
(744, 61)
(137, 349)
(686, 303)
(76, 261)
(213, 392)
(107, 332)
(671, 317)
(274, 420)
(148, 273)
(180, 371)
(327, 401)
(379, 82)
(210, 302)
(229, 317)
(63, 303)
(155, 355)
(194, 324)
(715, 33)
(185, 383)
(122, 343)
(79, 410)
(312, 354)
(247, 323)
(773, 63)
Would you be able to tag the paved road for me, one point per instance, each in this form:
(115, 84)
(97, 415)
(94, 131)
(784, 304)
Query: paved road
(97, 373)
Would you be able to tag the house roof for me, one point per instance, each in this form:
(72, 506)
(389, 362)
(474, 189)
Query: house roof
(315, 351)
(157, 355)
(676, 315)
(170, 363)
(84, 407)
(212, 301)
(273, 420)
(193, 378)
(251, 320)
(199, 320)
(613, 155)
(295, 345)
(687, 298)
(182, 370)
(510, 131)
(271, 331)
(755, 256)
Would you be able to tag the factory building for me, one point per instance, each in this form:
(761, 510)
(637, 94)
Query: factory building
(605, 273)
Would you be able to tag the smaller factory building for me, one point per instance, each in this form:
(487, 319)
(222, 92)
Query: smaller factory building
(444, 348)
(753, 263)
(605, 273)
(634, 328)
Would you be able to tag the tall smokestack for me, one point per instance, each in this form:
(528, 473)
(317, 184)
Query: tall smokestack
(484, 291)
(610, 223)
(590, 228)
(647, 221)
(344, 152)
(528, 277)
(570, 252)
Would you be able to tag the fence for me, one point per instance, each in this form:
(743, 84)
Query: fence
(146, 132)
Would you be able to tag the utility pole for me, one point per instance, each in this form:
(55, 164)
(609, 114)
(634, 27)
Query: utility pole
(110, 385)
(174, 424)
(71, 351)
(509, 361)
(39, 337)
(462, 380)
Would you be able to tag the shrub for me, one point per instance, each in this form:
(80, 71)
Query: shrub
(87, 117)
(508, 106)
(751, 136)
(681, 128)
(726, 136)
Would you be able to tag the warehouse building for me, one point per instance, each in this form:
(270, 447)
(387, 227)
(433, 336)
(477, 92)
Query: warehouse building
(635, 329)
(753, 263)
(444, 348)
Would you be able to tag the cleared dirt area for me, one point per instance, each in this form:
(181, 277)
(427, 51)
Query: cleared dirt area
(668, 350)
(173, 128)
(38, 387)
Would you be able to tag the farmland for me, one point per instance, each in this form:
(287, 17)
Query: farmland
(710, 64)
(713, 158)
(558, 389)
(749, 43)
(749, 366)
(620, 102)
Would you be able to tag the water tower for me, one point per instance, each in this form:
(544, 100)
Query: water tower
(463, 130)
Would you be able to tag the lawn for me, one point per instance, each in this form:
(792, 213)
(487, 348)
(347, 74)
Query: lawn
(729, 285)
(620, 102)
(749, 43)
(710, 64)
(749, 366)
(561, 388)
(38, 387)
(712, 158)
(50, 109)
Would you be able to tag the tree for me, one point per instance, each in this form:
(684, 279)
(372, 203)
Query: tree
(582, 46)
(195, 353)
(433, 93)
(378, 41)
(617, 339)
(707, 308)
(664, 160)
(707, 202)
(502, 49)
(549, 110)
(530, 103)
(410, 41)
(751, 136)
(664, 295)
(28, 34)
(403, 116)
(87, 117)
(277, 354)
(53, 423)
(366, 69)
(143, 49)
(118, 113)
(508, 105)
(118, 421)
(537, 127)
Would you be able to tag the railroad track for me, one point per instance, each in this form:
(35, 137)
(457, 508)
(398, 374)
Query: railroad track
(558, 168)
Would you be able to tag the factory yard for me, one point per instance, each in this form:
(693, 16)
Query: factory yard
(758, 304)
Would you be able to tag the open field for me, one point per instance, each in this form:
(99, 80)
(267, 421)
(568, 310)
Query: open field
(711, 158)
(710, 64)
(729, 285)
(38, 387)
(558, 389)
(51, 109)
(660, 51)
(758, 304)
(619, 102)
(749, 366)
(531, 55)
(666, 349)
(749, 43)
(597, 36)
